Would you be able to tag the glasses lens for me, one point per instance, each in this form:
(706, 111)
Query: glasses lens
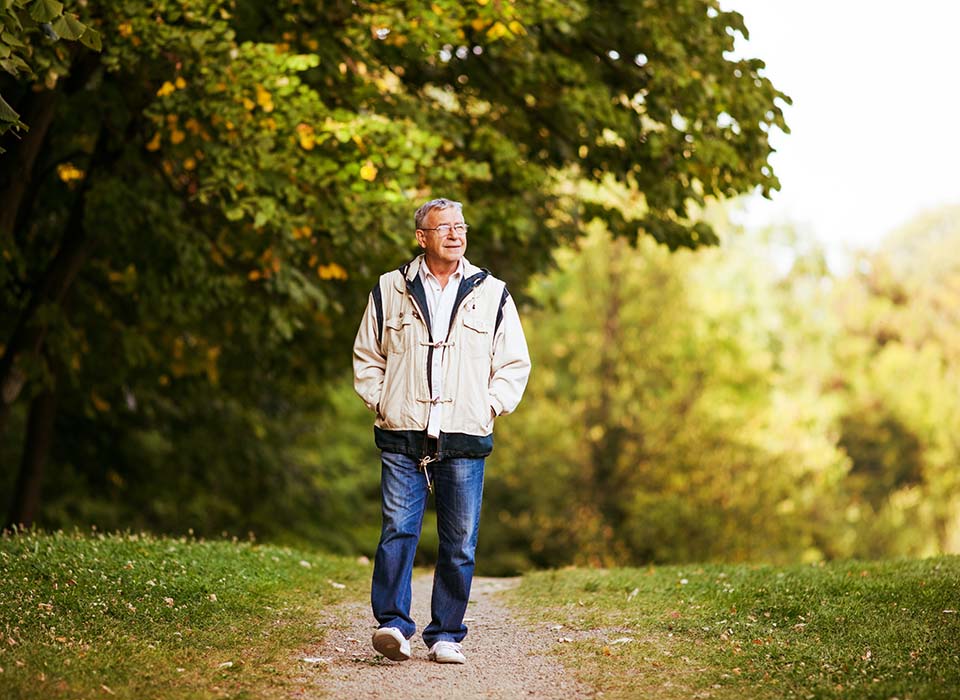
(445, 228)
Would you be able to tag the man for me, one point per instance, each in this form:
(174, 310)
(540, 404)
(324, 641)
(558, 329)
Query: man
(439, 355)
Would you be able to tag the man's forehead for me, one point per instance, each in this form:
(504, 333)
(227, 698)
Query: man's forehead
(448, 214)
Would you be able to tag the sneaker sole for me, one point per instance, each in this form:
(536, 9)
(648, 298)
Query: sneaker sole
(447, 661)
(388, 645)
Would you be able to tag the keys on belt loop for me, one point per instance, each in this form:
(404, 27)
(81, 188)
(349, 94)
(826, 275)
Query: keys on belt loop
(426, 472)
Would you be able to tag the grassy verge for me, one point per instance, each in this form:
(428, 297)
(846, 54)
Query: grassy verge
(849, 630)
(143, 617)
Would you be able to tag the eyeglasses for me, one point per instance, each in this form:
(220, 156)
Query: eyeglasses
(446, 228)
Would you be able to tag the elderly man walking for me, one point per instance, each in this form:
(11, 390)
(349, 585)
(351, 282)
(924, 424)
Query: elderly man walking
(439, 355)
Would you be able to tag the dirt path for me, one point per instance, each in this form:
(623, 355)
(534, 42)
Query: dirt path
(505, 659)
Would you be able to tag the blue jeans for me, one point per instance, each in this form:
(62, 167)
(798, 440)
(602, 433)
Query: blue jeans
(458, 489)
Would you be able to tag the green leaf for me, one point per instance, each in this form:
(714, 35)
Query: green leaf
(46, 10)
(91, 39)
(11, 39)
(4, 50)
(12, 22)
(69, 27)
(9, 115)
(14, 65)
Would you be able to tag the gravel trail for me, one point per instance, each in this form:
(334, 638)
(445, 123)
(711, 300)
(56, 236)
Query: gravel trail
(505, 658)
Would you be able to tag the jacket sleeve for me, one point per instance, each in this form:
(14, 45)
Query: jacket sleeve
(369, 362)
(511, 361)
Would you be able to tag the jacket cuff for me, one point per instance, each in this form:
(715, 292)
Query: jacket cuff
(496, 405)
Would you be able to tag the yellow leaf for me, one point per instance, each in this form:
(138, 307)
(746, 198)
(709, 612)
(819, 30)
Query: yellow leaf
(180, 83)
(166, 89)
(497, 31)
(477, 24)
(306, 136)
(264, 99)
(517, 28)
(254, 275)
(248, 104)
(368, 172)
(99, 403)
(125, 29)
(189, 164)
(68, 172)
(331, 271)
(154, 143)
(177, 136)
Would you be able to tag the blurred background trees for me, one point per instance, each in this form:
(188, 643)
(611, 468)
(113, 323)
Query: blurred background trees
(197, 195)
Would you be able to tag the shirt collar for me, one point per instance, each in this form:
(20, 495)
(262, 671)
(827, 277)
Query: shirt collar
(426, 275)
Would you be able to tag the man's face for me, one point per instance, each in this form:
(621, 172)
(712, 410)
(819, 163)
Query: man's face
(445, 246)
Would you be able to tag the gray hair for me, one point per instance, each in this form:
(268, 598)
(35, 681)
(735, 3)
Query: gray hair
(439, 204)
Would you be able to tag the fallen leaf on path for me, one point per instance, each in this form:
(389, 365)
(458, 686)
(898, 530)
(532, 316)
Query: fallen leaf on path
(556, 627)
(564, 639)
(315, 660)
(225, 664)
(622, 640)
(107, 689)
(351, 639)
(335, 584)
(305, 564)
(339, 650)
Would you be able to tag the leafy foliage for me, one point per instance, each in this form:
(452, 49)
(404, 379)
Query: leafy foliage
(190, 228)
(28, 32)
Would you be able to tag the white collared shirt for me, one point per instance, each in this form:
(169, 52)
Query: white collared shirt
(440, 303)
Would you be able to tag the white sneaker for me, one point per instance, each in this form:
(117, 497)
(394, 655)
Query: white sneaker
(444, 652)
(390, 642)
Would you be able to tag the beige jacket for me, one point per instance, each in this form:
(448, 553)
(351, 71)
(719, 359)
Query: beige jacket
(486, 363)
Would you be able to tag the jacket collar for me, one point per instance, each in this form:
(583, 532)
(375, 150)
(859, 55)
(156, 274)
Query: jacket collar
(411, 270)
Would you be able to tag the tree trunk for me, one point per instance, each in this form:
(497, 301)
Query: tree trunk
(15, 184)
(26, 493)
(22, 157)
(28, 336)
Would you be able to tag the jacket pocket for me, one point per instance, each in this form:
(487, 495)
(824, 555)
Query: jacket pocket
(476, 336)
(397, 332)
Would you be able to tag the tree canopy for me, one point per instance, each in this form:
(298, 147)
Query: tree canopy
(204, 190)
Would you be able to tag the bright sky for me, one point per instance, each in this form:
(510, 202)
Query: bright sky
(875, 121)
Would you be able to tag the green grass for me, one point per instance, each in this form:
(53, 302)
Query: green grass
(143, 617)
(848, 630)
